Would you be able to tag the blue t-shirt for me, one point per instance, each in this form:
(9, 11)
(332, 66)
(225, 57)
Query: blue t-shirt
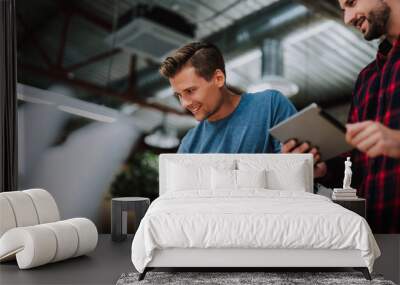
(245, 130)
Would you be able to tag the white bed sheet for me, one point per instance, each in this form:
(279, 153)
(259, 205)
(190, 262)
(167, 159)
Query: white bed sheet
(252, 218)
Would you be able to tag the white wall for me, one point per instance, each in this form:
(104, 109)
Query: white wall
(38, 126)
(80, 171)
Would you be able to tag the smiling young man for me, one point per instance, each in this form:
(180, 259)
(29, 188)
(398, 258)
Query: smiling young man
(374, 121)
(229, 122)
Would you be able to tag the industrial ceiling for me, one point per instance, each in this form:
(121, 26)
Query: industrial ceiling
(65, 41)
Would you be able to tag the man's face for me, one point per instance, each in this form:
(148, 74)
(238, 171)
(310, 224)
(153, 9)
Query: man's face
(201, 97)
(370, 17)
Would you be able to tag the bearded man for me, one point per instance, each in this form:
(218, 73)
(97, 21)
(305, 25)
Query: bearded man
(374, 120)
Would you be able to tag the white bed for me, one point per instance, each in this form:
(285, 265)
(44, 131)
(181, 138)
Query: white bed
(247, 210)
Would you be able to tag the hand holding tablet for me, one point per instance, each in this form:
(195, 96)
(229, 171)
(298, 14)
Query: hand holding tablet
(318, 129)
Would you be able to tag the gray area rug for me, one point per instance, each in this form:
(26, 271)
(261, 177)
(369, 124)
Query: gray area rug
(230, 278)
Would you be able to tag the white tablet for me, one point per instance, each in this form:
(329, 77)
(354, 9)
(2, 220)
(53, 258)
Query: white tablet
(315, 126)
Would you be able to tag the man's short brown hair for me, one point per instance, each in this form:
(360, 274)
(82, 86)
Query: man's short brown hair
(206, 58)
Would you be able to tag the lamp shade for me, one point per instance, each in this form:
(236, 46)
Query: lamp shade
(283, 85)
(161, 138)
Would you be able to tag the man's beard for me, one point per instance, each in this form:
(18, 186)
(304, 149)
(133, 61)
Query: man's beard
(377, 21)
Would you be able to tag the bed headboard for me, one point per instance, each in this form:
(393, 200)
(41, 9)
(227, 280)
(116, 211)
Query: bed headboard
(271, 159)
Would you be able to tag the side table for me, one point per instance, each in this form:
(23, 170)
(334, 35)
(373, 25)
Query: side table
(357, 205)
(119, 215)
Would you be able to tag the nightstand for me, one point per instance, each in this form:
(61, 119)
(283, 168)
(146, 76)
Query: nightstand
(357, 205)
(119, 214)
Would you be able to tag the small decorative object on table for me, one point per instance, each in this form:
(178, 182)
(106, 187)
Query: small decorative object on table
(347, 196)
(345, 193)
(119, 214)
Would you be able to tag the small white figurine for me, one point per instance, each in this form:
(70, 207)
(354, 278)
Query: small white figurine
(347, 174)
(345, 193)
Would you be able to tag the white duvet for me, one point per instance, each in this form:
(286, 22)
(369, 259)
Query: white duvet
(250, 219)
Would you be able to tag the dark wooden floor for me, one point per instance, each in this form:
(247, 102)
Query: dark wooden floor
(110, 259)
(103, 266)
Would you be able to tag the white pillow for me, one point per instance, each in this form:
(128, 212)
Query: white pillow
(251, 178)
(185, 175)
(293, 180)
(225, 179)
(290, 175)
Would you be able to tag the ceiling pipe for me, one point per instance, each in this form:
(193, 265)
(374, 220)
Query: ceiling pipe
(271, 58)
(272, 70)
(328, 8)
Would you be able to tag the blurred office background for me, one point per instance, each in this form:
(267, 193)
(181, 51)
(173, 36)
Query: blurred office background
(94, 113)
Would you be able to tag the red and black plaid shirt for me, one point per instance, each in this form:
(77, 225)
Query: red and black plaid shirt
(376, 97)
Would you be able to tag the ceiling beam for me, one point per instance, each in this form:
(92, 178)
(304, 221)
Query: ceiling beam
(43, 53)
(132, 74)
(99, 90)
(93, 59)
(93, 18)
(63, 39)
